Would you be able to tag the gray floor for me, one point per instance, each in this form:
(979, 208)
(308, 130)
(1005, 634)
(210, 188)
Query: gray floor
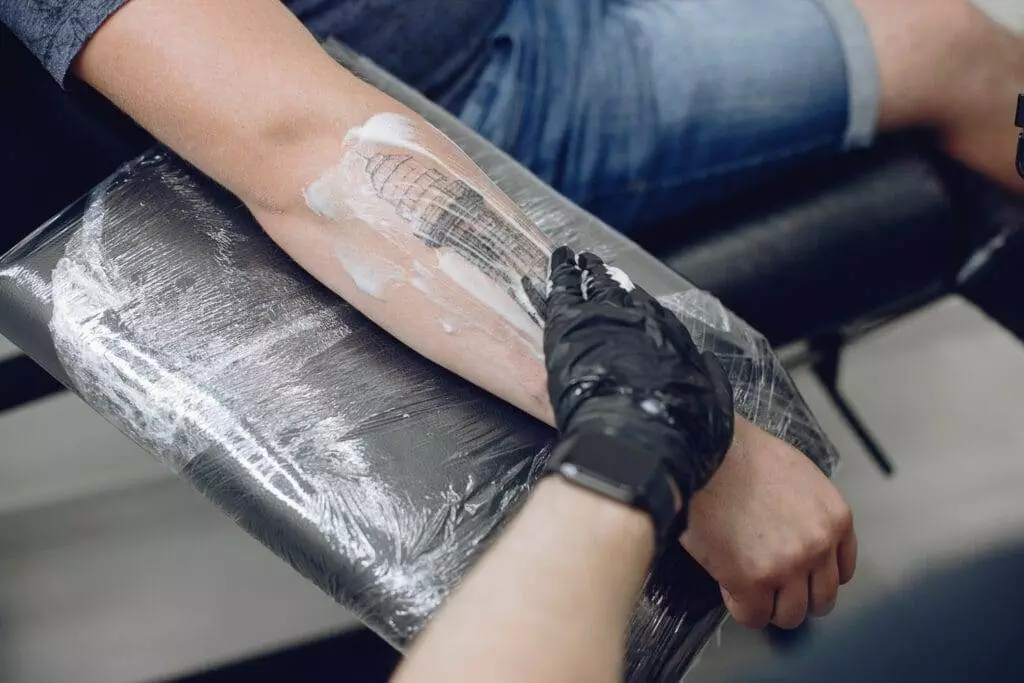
(942, 391)
(112, 571)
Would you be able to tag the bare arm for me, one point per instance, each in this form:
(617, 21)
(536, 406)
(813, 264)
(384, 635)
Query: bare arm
(554, 595)
(364, 194)
(391, 215)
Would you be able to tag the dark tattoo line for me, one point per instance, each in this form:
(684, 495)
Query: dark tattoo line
(447, 212)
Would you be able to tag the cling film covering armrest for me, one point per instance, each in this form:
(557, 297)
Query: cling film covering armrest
(378, 475)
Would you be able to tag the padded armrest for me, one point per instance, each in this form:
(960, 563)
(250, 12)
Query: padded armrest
(372, 471)
(852, 239)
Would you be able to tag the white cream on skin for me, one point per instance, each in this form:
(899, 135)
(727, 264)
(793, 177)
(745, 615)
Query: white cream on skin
(342, 190)
(392, 130)
(487, 292)
(345, 192)
(370, 273)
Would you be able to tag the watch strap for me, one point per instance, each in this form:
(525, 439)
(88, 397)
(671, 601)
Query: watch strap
(614, 467)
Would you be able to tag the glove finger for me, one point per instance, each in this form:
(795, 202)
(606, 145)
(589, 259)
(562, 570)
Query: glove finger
(603, 283)
(667, 322)
(640, 298)
(565, 282)
(587, 260)
(679, 335)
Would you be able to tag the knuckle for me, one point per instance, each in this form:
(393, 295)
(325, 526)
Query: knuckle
(762, 573)
(799, 555)
(842, 518)
(820, 544)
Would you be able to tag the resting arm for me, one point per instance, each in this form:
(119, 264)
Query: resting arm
(358, 189)
(391, 215)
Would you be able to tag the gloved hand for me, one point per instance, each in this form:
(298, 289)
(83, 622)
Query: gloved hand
(621, 366)
(768, 526)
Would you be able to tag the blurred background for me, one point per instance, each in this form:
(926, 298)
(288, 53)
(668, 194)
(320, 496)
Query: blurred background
(113, 571)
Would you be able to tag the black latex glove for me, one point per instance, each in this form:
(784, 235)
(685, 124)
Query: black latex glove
(620, 365)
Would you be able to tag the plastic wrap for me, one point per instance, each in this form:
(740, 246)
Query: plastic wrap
(375, 473)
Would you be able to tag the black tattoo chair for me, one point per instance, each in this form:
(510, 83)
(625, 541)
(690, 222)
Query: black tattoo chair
(816, 259)
(832, 252)
(375, 474)
(816, 256)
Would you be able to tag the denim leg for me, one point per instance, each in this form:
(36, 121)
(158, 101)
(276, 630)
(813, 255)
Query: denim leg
(639, 109)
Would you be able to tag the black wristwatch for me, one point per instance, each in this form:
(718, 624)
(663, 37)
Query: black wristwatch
(615, 468)
(1020, 140)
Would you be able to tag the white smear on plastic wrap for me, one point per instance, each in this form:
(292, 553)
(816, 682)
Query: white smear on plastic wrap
(155, 395)
(144, 392)
(29, 279)
(190, 355)
(699, 305)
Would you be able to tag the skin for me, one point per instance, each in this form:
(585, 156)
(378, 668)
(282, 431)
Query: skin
(242, 91)
(560, 584)
(948, 68)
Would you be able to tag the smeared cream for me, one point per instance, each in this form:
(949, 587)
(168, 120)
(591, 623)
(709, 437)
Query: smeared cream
(337, 193)
(616, 274)
(393, 130)
(479, 286)
(370, 273)
(342, 190)
(621, 278)
(393, 194)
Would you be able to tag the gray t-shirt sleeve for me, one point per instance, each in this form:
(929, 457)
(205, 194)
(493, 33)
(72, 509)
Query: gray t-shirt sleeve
(55, 30)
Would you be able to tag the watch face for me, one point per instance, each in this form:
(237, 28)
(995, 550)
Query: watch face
(618, 470)
(596, 482)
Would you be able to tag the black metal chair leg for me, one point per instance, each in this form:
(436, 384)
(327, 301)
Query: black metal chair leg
(826, 368)
(993, 279)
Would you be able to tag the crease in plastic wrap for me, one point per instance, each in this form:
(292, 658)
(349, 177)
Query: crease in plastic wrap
(376, 474)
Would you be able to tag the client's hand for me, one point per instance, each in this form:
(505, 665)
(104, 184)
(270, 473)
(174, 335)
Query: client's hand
(626, 380)
(773, 531)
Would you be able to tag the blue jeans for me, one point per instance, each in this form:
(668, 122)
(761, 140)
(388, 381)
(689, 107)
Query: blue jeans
(639, 109)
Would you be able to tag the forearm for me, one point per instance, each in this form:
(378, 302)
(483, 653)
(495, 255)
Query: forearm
(359, 190)
(549, 602)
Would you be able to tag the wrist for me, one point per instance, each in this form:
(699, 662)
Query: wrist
(625, 473)
(596, 518)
